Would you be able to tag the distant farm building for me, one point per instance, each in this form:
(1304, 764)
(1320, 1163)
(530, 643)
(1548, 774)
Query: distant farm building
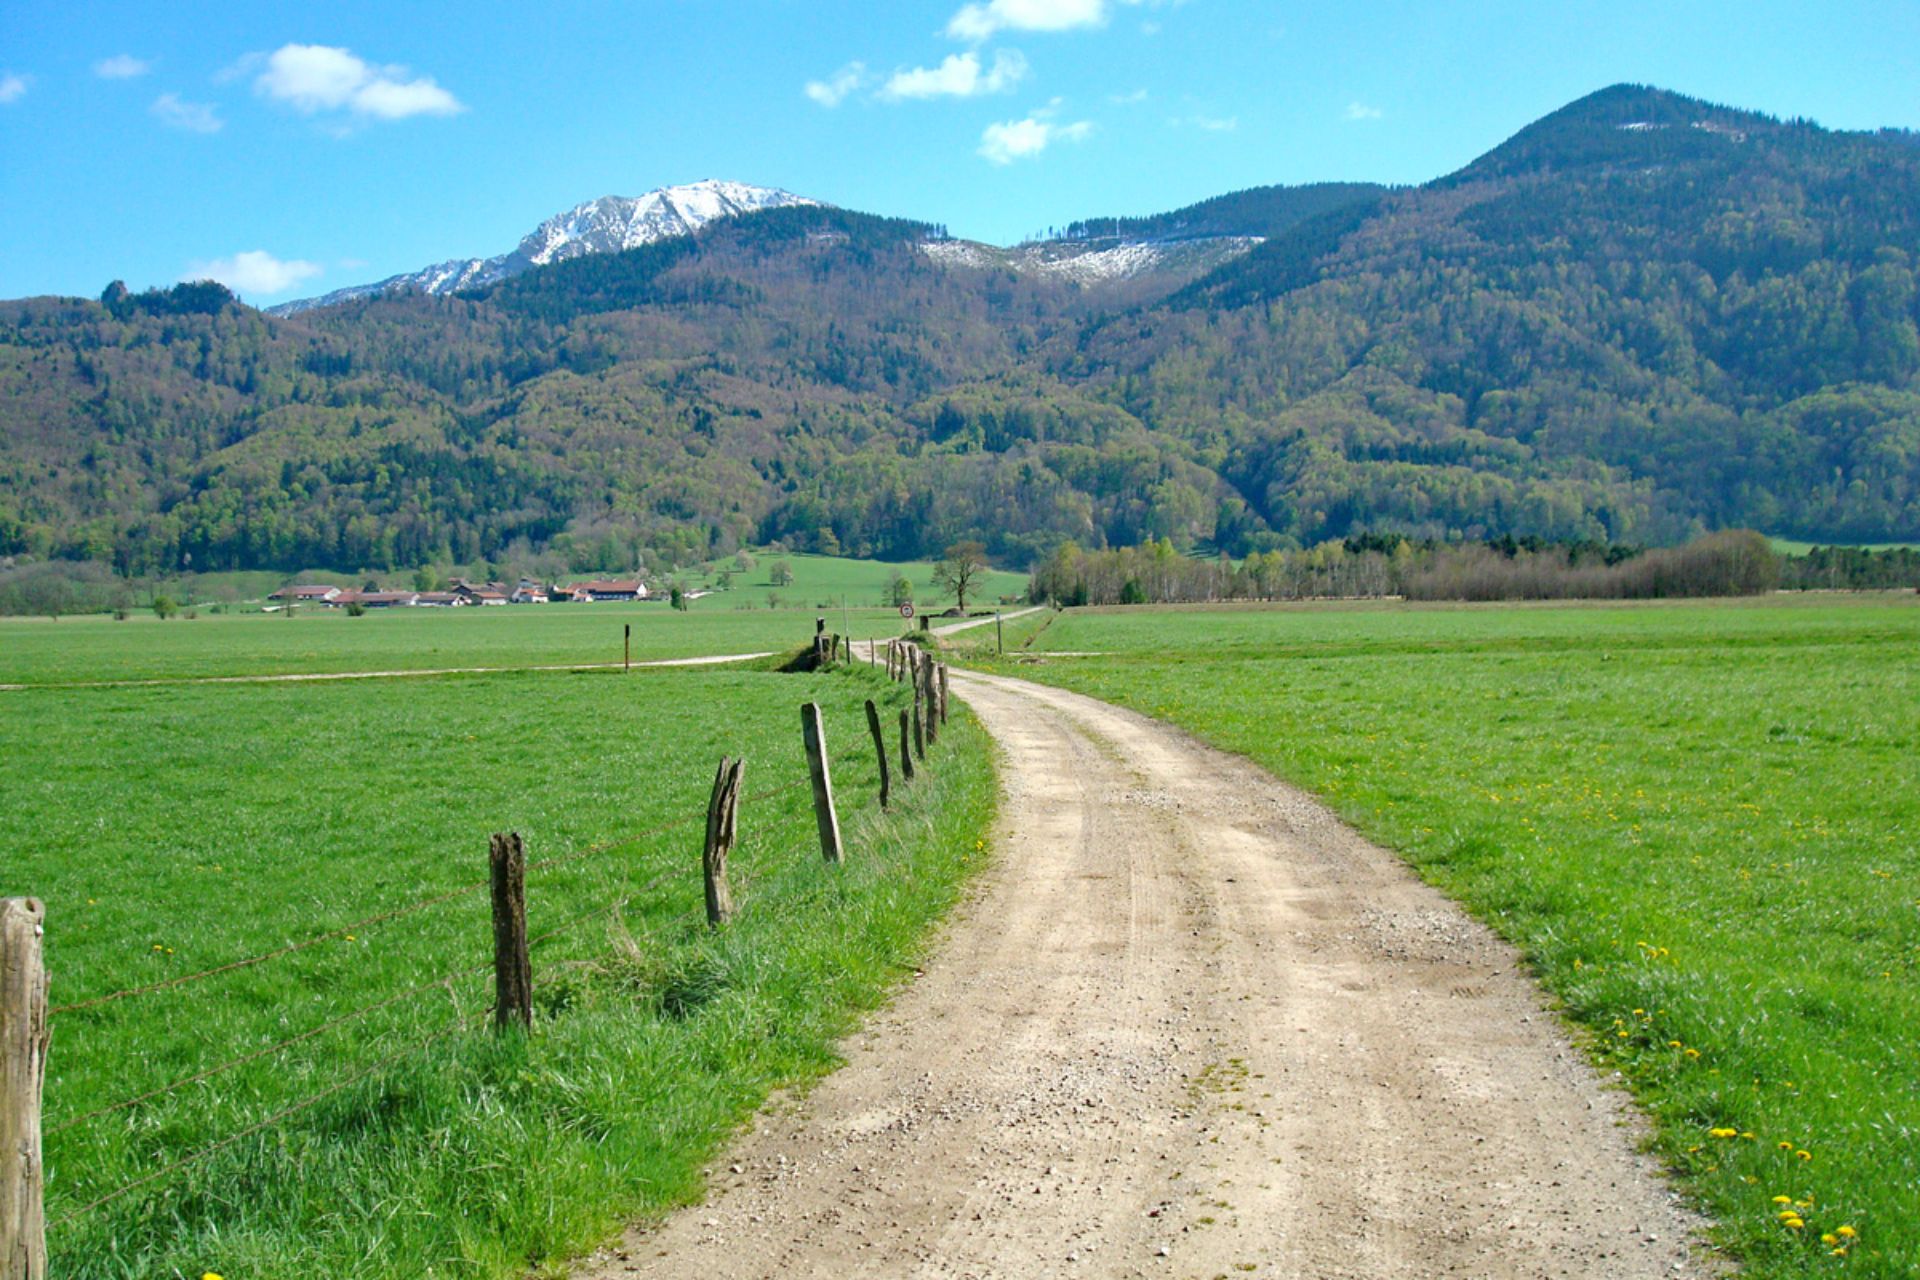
(306, 594)
(608, 590)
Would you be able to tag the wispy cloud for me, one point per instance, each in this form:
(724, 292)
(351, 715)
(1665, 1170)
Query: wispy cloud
(1011, 140)
(1361, 111)
(1128, 99)
(254, 271)
(194, 117)
(980, 21)
(315, 78)
(122, 66)
(13, 87)
(1212, 124)
(959, 75)
(848, 80)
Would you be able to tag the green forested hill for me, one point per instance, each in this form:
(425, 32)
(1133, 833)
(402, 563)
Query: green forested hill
(1641, 316)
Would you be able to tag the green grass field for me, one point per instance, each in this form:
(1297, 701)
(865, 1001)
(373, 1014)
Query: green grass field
(173, 829)
(93, 648)
(1700, 822)
(79, 650)
(1794, 547)
(827, 580)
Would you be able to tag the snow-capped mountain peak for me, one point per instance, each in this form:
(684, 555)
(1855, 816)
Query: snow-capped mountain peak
(607, 225)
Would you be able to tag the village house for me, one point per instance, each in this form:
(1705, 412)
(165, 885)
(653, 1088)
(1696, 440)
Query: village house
(306, 594)
(610, 589)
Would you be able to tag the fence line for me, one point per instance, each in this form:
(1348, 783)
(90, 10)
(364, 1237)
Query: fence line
(444, 980)
(386, 916)
(817, 750)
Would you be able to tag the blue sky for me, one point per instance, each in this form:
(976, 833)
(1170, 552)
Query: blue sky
(295, 148)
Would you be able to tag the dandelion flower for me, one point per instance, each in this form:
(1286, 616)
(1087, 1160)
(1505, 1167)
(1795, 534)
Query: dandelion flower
(1803, 1155)
(1828, 1238)
(1723, 1133)
(1848, 1232)
(1794, 1224)
(1783, 1199)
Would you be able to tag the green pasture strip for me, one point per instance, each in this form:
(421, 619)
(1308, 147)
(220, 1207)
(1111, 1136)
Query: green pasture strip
(171, 830)
(1796, 547)
(315, 640)
(1701, 824)
(829, 579)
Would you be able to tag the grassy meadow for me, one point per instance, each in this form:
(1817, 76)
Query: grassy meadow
(79, 650)
(1700, 822)
(172, 829)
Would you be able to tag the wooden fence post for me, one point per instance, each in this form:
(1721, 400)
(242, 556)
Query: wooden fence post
(906, 756)
(999, 636)
(932, 699)
(723, 813)
(879, 749)
(919, 729)
(24, 1037)
(626, 648)
(512, 970)
(817, 770)
(944, 690)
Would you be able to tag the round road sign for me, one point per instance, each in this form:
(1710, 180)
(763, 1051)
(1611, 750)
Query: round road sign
(906, 611)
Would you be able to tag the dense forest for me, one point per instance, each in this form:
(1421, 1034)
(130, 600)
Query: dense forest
(1641, 319)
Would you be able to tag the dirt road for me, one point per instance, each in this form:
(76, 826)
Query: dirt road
(1191, 1026)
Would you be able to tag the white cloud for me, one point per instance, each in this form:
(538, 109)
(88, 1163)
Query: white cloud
(835, 88)
(1212, 124)
(194, 117)
(959, 75)
(1128, 99)
(980, 21)
(1361, 111)
(1011, 140)
(13, 86)
(253, 272)
(312, 78)
(122, 66)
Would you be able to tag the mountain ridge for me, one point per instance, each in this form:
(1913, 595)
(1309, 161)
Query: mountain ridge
(606, 224)
(1591, 331)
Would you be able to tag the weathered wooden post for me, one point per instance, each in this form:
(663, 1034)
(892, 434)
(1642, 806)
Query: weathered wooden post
(944, 691)
(999, 635)
(906, 756)
(723, 813)
(817, 770)
(626, 659)
(919, 730)
(512, 970)
(879, 749)
(932, 699)
(24, 1037)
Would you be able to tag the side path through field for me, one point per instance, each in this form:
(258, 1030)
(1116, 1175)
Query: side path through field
(1191, 1025)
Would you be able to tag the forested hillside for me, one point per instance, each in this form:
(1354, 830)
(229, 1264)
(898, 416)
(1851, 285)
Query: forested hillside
(1641, 317)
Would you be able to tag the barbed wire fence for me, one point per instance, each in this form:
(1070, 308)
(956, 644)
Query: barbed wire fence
(26, 1018)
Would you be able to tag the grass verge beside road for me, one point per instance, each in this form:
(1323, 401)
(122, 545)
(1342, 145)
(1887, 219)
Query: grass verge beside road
(172, 830)
(1700, 822)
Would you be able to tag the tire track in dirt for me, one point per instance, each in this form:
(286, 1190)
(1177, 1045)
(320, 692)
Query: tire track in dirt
(1189, 1025)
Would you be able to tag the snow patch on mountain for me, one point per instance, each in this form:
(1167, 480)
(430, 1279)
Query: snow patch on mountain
(607, 225)
(1089, 262)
